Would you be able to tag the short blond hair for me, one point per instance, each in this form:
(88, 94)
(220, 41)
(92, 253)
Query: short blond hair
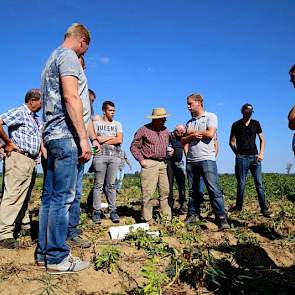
(78, 30)
(196, 97)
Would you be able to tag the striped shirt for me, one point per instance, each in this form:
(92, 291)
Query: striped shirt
(149, 143)
(24, 129)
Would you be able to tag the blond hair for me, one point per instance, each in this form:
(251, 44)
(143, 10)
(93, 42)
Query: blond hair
(78, 30)
(196, 97)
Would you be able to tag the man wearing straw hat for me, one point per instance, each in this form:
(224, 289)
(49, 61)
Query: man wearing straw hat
(149, 148)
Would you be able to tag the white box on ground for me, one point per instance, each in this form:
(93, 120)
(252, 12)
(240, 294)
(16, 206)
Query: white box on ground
(104, 205)
(119, 232)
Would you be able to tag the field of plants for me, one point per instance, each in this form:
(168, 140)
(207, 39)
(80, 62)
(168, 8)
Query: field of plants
(255, 256)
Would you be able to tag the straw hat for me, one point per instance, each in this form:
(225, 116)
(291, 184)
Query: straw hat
(158, 113)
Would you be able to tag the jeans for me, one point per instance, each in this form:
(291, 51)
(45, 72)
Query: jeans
(106, 168)
(119, 178)
(176, 172)
(58, 196)
(208, 170)
(74, 217)
(243, 164)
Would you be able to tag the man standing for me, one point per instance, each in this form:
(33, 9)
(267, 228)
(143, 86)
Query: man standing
(149, 148)
(176, 167)
(242, 142)
(64, 93)
(201, 160)
(22, 148)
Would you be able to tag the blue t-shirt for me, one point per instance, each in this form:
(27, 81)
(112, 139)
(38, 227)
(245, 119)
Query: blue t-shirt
(57, 123)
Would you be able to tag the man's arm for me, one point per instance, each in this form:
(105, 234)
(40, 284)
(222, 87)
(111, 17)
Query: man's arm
(92, 135)
(262, 147)
(206, 134)
(216, 147)
(232, 143)
(291, 118)
(74, 108)
(135, 147)
(111, 139)
(9, 145)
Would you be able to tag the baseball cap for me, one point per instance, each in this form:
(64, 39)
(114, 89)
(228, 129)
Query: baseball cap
(247, 107)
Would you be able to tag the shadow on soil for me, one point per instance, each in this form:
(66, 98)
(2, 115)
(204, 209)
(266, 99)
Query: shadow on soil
(253, 273)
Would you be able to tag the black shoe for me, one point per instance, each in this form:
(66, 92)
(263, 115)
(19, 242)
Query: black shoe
(234, 210)
(266, 213)
(114, 217)
(192, 219)
(78, 242)
(222, 223)
(9, 243)
(96, 217)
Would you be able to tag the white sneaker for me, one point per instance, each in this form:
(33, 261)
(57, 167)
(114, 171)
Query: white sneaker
(70, 264)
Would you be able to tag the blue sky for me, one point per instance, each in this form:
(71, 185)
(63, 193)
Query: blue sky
(146, 54)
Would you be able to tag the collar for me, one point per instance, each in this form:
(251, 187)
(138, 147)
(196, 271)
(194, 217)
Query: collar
(204, 114)
(29, 112)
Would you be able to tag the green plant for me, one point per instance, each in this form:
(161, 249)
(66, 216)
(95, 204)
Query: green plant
(108, 259)
(51, 285)
(155, 279)
(246, 238)
(152, 245)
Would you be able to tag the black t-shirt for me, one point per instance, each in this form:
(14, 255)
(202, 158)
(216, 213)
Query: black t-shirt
(245, 136)
(178, 148)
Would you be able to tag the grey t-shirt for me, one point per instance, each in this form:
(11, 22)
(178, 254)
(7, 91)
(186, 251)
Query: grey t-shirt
(103, 128)
(200, 150)
(57, 123)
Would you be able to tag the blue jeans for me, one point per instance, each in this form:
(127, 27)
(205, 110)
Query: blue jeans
(208, 170)
(58, 195)
(243, 164)
(75, 207)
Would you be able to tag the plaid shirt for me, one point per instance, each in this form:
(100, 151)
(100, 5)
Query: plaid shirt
(149, 143)
(24, 129)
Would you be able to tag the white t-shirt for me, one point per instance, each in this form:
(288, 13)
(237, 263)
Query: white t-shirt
(103, 128)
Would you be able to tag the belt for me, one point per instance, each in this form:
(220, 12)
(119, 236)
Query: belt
(26, 154)
(158, 159)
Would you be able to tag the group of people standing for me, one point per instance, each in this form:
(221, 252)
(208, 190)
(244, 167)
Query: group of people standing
(160, 155)
(63, 138)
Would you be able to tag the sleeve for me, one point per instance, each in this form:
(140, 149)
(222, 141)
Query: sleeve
(68, 64)
(119, 127)
(136, 144)
(258, 128)
(212, 121)
(12, 117)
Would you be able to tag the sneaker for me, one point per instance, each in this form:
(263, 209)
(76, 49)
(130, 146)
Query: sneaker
(78, 242)
(191, 219)
(9, 243)
(69, 265)
(114, 217)
(222, 223)
(266, 213)
(96, 216)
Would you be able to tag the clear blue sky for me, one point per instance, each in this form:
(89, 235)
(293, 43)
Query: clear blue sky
(151, 53)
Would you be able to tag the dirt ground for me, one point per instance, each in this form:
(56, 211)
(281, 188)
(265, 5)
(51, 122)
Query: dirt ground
(258, 243)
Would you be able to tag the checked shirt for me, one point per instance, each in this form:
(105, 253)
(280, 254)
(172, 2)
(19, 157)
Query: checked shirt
(24, 129)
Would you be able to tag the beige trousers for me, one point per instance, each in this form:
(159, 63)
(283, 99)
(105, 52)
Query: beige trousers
(17, 180)
(154, 175)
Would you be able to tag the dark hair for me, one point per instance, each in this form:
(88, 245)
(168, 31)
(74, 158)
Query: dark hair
(92, 93)
(292, 69)
(32, 94)
(107, 103)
